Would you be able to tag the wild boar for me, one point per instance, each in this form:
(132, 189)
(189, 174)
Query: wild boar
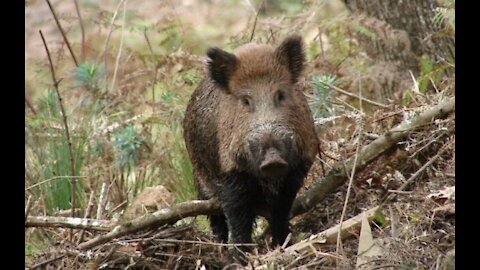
(250, 137)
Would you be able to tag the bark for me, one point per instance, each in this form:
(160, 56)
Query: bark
(415, 19)
(68, 222)
(156, 219)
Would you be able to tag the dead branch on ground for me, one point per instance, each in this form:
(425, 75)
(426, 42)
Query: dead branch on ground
(69, 222)
(329, 236)
(156, 219)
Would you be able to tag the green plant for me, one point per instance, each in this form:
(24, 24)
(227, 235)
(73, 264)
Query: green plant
(126, 142)
(320, 101)
(49, 156)
(89, 75)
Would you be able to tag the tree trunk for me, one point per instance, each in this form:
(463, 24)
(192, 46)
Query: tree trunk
(413, 18)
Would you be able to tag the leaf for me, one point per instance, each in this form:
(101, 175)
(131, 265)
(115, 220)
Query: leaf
(407, 97)
(379, 218)
(367, 248)
(448, 209)
(448, 193)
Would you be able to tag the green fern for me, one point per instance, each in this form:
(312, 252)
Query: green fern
(90, 76)
(321, 101)
(126, 143)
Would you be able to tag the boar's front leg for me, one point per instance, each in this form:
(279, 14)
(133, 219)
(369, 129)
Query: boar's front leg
(237, 206)
(279, 219)
(218, 223)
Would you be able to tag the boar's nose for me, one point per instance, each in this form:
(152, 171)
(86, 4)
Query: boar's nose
(273, 165)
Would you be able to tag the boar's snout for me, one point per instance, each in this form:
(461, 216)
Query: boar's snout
(270, 149)
(273, 165)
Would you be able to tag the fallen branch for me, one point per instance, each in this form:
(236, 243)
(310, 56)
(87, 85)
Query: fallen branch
(348, 228)
(69, 222)
(156, 219)
(338, 173)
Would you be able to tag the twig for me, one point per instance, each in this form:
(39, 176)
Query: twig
(430, 141)
(103, 199)
(88, 212)
(354, 96)
(155, 72)
(62, 32)
(117, 207)
(27, 207)
(40, 264)
(177, 17)
(387, 116)
(65, 124)
(117, 61)
(391, 195)
(80, 20)
(188, 242)
(256, 18)
(51, 179)
(107, 40)
(399, 191)
(69, 222)
(344, 210)
(29, 105)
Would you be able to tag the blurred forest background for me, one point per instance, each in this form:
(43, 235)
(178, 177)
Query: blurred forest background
(110, 126)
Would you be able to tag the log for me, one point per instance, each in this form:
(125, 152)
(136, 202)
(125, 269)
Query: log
(156, 219)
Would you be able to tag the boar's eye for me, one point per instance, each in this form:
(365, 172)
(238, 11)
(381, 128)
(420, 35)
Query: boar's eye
(247, 102)
(279, 97)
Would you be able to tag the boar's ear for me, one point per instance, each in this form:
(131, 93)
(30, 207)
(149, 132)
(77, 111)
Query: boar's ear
(221, 65)
(290, 53)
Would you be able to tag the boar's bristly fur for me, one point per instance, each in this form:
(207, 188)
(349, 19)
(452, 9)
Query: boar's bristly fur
(250, 137)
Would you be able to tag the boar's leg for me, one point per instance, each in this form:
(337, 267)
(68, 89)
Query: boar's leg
(236, 197)
(279, 219)
(219, 227)
(218, 223)
(237, 206)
